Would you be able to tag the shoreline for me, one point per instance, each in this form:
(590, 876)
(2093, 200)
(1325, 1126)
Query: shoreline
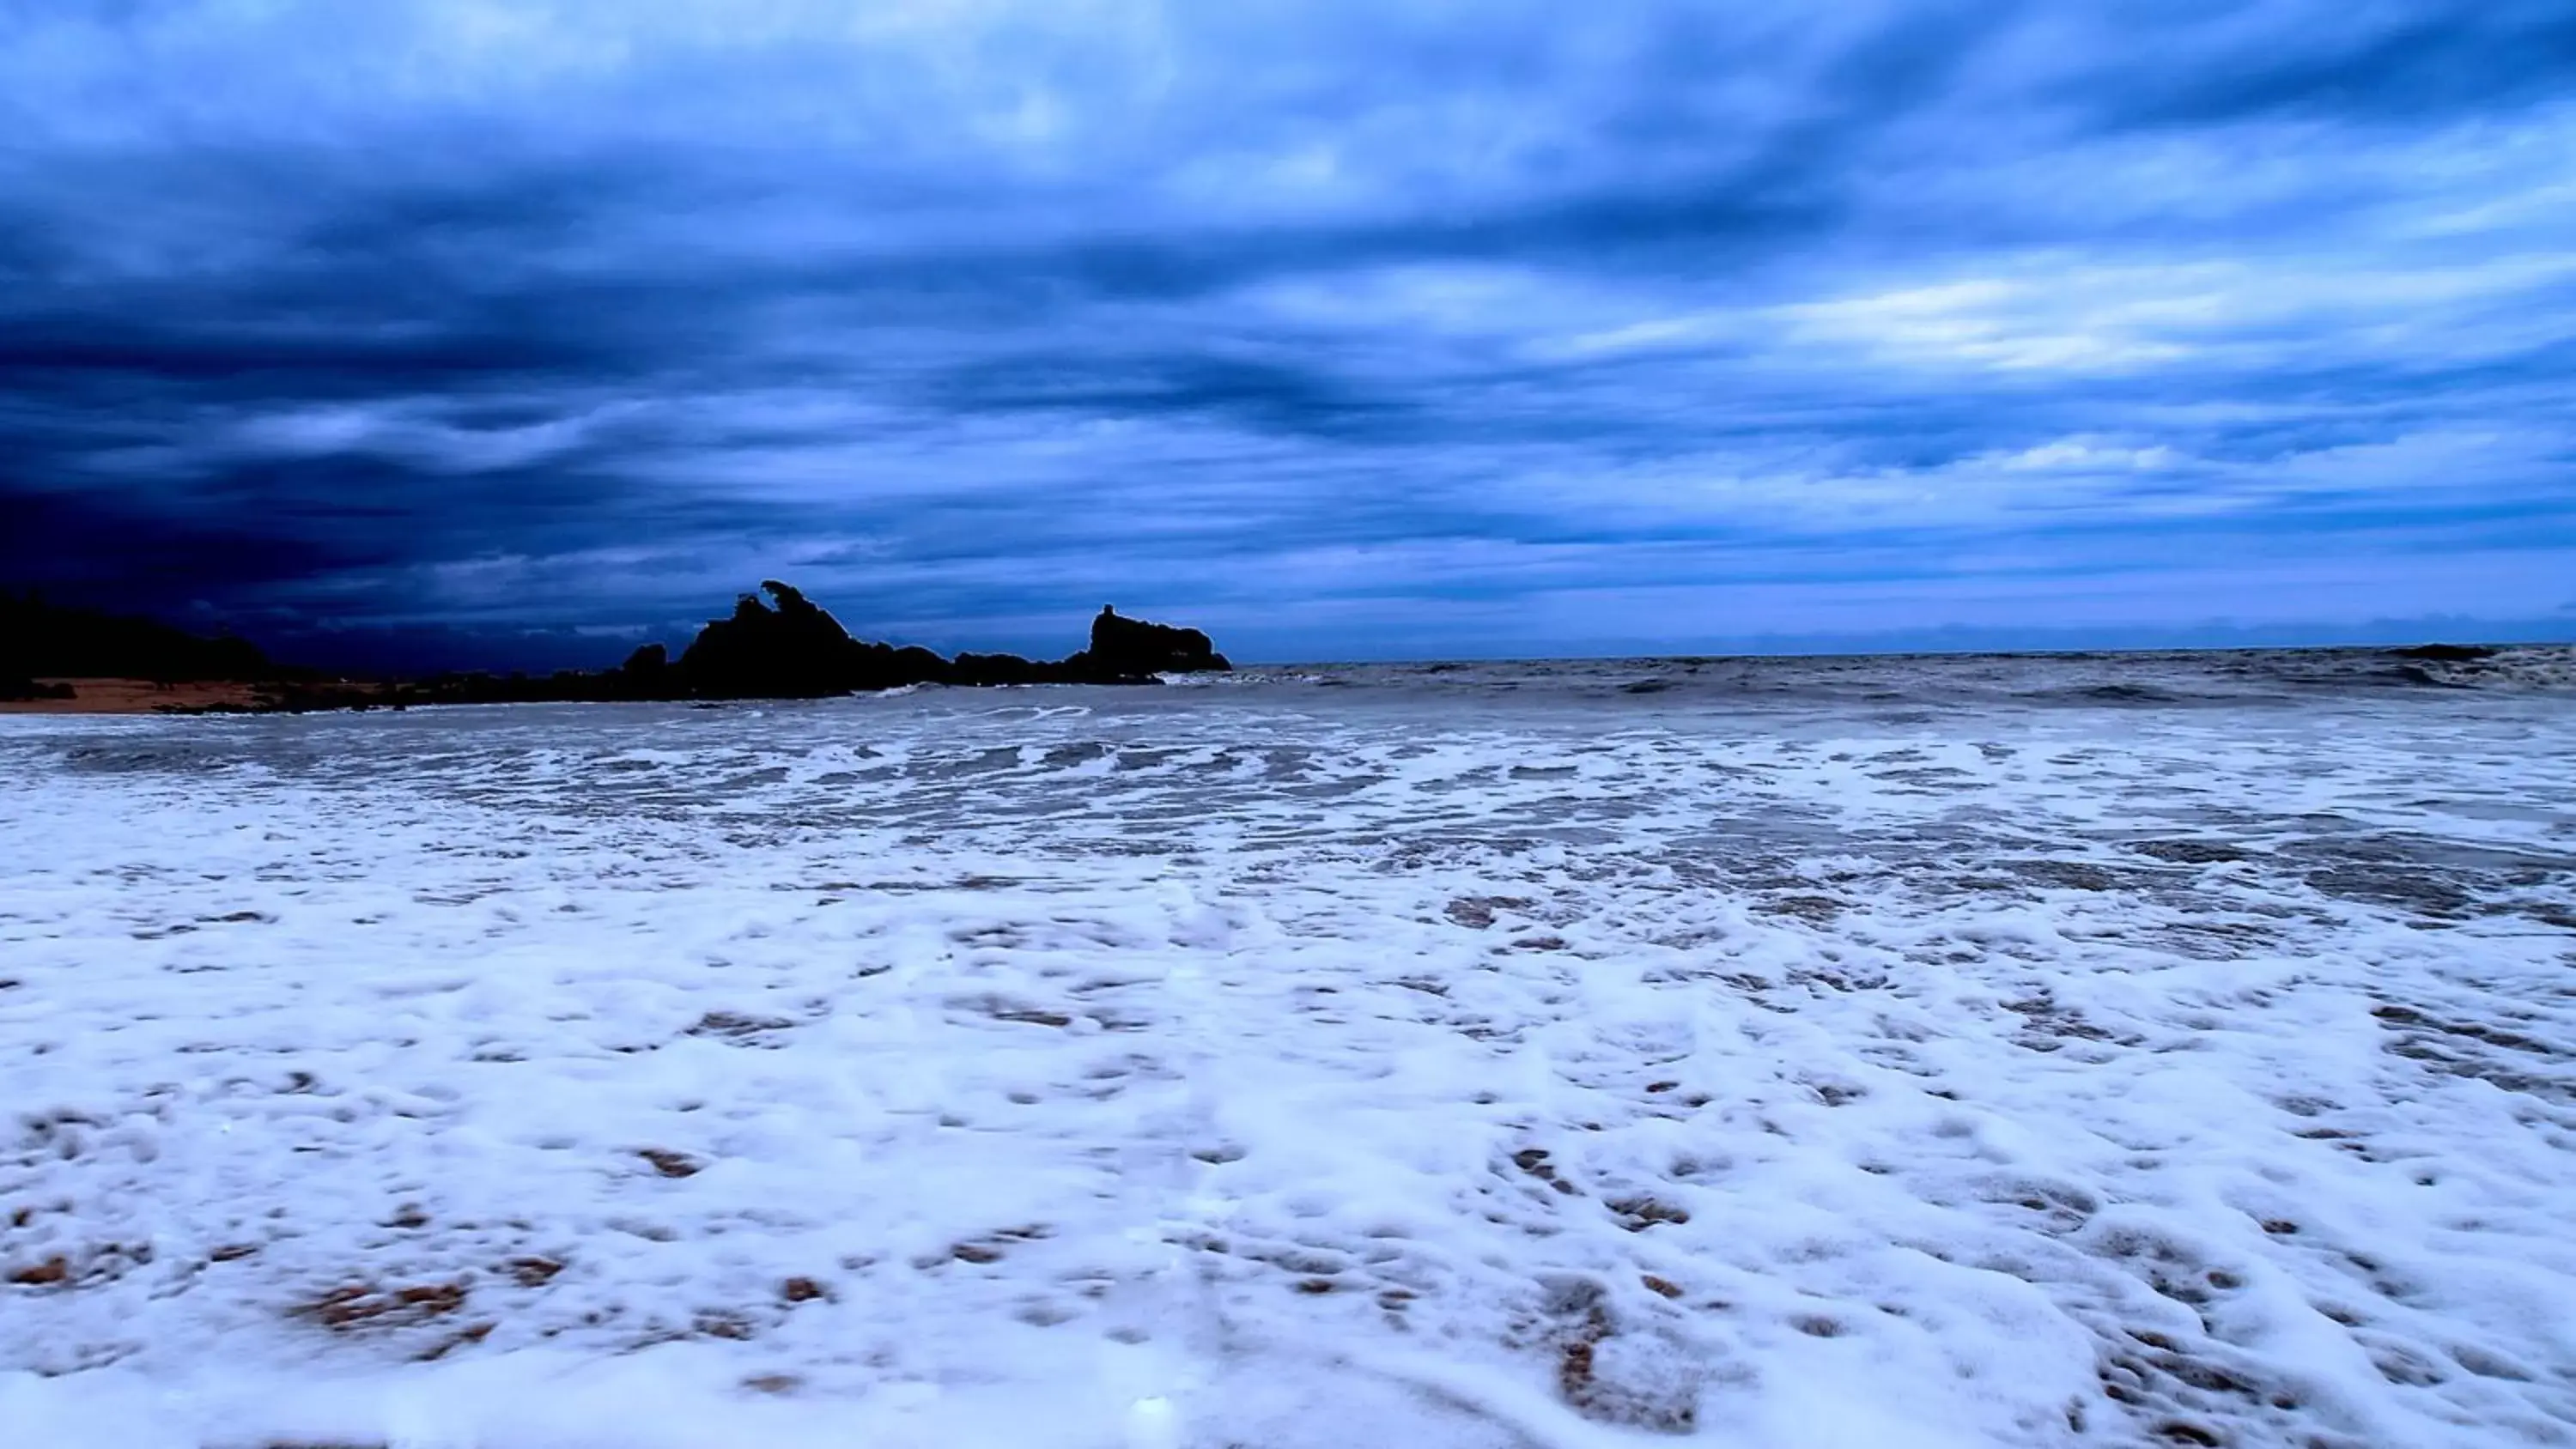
(122, 696)
(2446, 665)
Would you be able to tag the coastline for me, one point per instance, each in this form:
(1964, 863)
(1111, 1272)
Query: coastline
(2115, 677)
(108, 695)
(76, 661)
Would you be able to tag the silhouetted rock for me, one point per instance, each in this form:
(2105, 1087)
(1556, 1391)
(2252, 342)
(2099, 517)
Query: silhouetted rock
(21, 688)
(794, 650)
(1125, 651)
(989, 669)
(39, 640)
(646, 674)
(787, 648)
(2447, 653)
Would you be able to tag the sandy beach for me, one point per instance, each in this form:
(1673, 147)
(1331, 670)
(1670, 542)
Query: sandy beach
(136, 696)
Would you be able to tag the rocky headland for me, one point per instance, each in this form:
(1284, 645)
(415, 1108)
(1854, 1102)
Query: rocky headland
(783, 647)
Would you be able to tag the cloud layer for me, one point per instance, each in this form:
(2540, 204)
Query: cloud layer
(1392, 327)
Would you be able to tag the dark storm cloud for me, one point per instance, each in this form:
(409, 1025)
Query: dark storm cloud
(968, 315)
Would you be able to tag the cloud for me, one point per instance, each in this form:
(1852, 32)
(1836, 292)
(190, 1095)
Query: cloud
(975, 313)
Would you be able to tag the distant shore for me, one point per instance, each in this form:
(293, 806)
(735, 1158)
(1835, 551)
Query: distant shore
(144, 696)
(2439, 666)
(83, 661)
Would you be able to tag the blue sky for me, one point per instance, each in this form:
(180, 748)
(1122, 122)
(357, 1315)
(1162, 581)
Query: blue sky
(1342, 330)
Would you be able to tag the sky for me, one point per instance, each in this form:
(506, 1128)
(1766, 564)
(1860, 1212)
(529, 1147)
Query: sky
(426, 329)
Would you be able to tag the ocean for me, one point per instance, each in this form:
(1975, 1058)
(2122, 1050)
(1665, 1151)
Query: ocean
(1938, 1050)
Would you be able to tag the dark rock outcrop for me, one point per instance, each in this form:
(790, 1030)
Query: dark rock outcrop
(1127, 651)
(646, 674)
(989, 669)
(786, 648)
(13, 689)
(40, 640)
(2447, 653)
(793, 649)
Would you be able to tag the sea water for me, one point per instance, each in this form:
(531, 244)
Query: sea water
(1927, 1051)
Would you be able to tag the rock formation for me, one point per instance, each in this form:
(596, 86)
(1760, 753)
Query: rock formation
(1124, 650)
(786, 648)
(40, 640)
(14, 688)
(793, 649)
(2447, 653)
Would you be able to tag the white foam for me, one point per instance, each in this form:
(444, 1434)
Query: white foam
(1129, 1071)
